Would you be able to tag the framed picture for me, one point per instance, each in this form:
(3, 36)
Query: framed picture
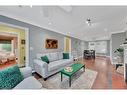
(51, 44)
(22, 41)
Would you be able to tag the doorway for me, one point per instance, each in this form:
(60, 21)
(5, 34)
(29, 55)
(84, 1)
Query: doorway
(67, 44)
(14, 42)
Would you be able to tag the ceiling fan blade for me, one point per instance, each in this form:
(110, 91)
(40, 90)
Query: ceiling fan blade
(66, 8)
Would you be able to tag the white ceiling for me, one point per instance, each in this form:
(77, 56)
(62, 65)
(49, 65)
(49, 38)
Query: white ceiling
(70, 20)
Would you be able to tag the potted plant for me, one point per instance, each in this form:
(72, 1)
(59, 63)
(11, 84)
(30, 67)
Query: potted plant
(119, 53)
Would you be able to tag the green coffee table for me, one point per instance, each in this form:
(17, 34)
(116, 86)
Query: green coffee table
(76, 67)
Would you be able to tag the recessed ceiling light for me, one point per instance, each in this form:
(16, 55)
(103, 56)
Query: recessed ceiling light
(20, 6)
(49, 23)
(31, 6)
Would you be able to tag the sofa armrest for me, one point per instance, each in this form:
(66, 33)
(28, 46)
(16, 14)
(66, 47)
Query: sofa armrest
(26, 72)
(40, 63)
(41, 67)
(71, 57)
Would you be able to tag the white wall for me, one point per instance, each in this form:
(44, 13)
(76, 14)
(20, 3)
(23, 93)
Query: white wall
(100, 47)
(117, 40)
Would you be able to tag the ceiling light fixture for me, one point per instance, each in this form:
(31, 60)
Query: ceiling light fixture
(49, 23)
(88, 21)
(31, 6)
(20, 6)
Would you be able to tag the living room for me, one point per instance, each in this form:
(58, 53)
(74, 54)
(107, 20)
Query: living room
(52, 46)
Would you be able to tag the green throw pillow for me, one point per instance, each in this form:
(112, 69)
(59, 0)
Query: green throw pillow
(45, 59)
(65, 55)
(10, 77)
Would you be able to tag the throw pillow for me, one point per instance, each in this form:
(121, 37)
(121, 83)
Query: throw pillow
(65, 55)
(10, 77)
(45, 59)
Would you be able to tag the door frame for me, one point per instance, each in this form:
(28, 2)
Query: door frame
(66, 44)
(26, 38)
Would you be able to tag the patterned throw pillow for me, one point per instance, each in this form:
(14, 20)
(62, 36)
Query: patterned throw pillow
(45, 59)
(10, 77)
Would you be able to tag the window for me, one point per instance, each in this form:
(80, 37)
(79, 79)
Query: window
(5, 45)
(99, 46)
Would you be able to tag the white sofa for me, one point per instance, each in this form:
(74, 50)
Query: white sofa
(56, 63)
(29, 81)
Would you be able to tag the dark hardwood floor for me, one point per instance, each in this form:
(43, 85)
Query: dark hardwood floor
(107, 77)
(101, 65)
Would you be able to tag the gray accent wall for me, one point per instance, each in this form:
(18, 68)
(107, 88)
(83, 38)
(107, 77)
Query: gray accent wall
(37, 41)
(117, 40)
(37, 36)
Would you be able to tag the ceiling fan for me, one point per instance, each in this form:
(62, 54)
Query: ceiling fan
(88, 21)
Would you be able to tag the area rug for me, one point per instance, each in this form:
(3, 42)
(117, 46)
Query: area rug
(81, 80)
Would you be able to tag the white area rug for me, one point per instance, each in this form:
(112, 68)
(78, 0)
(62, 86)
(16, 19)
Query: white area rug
(81, 80)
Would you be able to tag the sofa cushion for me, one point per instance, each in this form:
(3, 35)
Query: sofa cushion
(45, 59)
(60, 55)
(29, 83)
(65, 55)
(10, 77)
(39, 55)
(53, 56)
(58, 64)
